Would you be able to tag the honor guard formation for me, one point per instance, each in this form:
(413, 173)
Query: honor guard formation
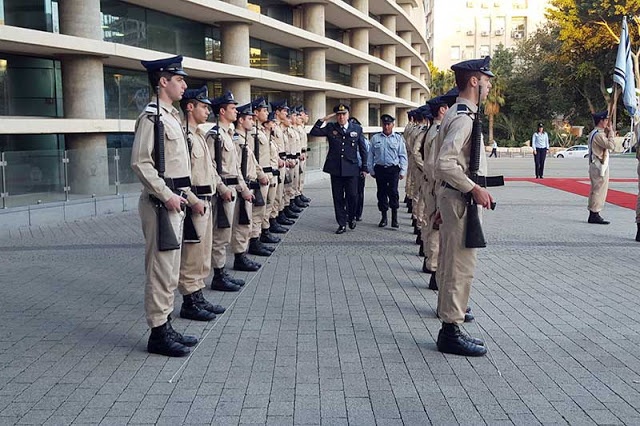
(240, 184)
(236, 185)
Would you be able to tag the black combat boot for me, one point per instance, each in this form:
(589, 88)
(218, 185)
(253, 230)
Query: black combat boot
(383, 220)
(180, 338)
(161, 342)
(421, 251)
(257, 249)
(638, 232)
(433, 284)
(268, 238)
(282, 219)
(596, 218)
(452, 340)
(289, 213)
(305, 198)
(298, 202)
(410, 206)
(293, 207)
(406, 199)
(276, 228)
(192, 310)
(419, 237)
(216, 309)
(414, 222)
(243, 263)
(425, 269)
(237, 281)
(394, 218)
(468, 316)
(222, 282)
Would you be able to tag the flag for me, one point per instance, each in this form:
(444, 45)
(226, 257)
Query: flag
(623, 73)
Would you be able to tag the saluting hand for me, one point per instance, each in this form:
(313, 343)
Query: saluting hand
(328, 117)
(175, 203)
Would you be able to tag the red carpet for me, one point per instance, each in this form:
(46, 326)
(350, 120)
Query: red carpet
(581, 186)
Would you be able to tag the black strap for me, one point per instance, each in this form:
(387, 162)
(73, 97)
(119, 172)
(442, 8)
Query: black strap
(267, 169)
(202, 189)
(230, 181)
(483, 181)
(181, 182)
(205, 197)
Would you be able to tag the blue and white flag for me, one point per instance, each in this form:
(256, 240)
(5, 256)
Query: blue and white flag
(623, 73)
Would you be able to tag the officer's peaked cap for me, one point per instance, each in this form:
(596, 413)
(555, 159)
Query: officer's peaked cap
(341, 108)
(259, 103)
(279, 105)
(481, 65)
(172, 65)
(600, 116)
(386, 118)
(201, 95)
(245, 109)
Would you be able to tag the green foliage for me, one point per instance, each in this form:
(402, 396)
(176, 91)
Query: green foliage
(441, 81)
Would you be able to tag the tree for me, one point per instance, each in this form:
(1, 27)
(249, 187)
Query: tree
(441, 81)
(502, 67)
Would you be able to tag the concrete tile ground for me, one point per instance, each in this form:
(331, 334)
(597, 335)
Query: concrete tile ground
(335, 329)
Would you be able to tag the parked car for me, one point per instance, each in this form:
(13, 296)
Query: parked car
(576, 151)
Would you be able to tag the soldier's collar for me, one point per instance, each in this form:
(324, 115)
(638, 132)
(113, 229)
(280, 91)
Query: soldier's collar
(226, 127)
(166, 106)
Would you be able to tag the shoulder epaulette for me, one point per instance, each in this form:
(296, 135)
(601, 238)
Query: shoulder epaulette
(151, 109)
(463, 109)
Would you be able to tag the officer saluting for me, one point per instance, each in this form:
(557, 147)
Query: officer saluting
(162, 165)
(345, 140)
(388, 164)
(456, 262)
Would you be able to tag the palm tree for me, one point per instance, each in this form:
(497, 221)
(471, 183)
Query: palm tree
(494, 100)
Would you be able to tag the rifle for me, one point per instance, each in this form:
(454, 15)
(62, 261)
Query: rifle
(222, 221)
(167, 239)
(257, 191)
(474, 237)
(243, 216)
(189, 233)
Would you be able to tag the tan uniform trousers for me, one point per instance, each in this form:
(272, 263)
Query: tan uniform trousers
(638, 202)
(162, 268)
(278, 201)
(195, 262)
(296, 180)
(456, 262)
(599, 187)
(221, 236)
(303, 170)
(240, 233)
(271, 196)
(258, 213)
(408, 186)
(289, 189)
(418, 210)
(272, 208)
(430, 236)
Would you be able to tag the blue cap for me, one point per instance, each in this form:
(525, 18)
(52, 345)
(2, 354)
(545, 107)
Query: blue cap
(201, 95)
(600, 116)
(225, 99)
(259, 103)
(418, 115)
(172, 65)
(341, 108)
(279, 105)
(386, 118)
(480, 65)
(411, 113)
(272, 116)
(245, 109)
(450, 97)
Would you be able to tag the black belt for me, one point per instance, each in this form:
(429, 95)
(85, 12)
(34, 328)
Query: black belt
(230, 181)
(181, 182)
(202, 189)
(292, 156)
(303, 150)
(254, 184)
(282, 155)
(267, 169)
(386, 167)
(276, 172)
(205, 197)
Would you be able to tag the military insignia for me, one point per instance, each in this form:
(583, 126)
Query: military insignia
(151, 108)
(341, 108)
(353, 134)
(235, 137)
(463, 109)
(335, 133)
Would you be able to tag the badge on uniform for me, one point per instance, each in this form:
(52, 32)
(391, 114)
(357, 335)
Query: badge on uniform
(353, 134)
(335, 133)
(235, 137)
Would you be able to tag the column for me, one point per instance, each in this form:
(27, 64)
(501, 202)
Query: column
(360, 72)
(388, 82)
(83, 96)
(406, 36)
(235, 51)
(415, 96)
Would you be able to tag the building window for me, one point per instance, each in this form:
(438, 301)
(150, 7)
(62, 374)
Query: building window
(30, 86)
(469, 52)
(499, 25)
(470, 4)
(338, 73)
(519, 4)
(455, 52)
(374, 83)
(272, 95)
(518, 27)
(126, 93)
(333, 32)
(272, 57)
(485, 26)
(275, 9)
(39, 15)
(484, 50)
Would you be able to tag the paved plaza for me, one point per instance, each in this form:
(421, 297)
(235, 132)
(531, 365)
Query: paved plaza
(337, 329)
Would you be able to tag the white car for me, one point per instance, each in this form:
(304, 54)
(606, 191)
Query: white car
(576, 151)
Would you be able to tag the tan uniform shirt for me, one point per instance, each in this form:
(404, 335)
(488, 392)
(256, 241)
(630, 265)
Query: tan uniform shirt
(454, 140)
(294, 141)
(600, 143)
(176, 153)
(429, 153)
(304, 138)
(417, 148)
(264, 156)
(254, 171)
(203, 171)
(280, 138)
(230, 167)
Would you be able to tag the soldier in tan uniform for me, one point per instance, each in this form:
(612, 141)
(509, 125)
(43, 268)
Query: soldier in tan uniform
(220, 140)
(165, 186)
(195, 262)
(600, 145)
(419, 176)
(304, 137)
(293, 162)
(456, 263)
(283, 213)
(276, 164)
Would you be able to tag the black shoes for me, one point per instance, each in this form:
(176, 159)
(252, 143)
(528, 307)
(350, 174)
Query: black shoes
(468, 316)
(294, 208)
(276, 228)
(243, 263)
(300, 203)
(424, 267)
(282, 219)
(352, 224)
(341, 229)
(257, 248)
(421, 251)
(216, 309)
(305, 198)
(596, 218)
(164, 340)
(410, 206)
(193, 310)
(290, 213)
(414, 222)
(433, 284)
(267, 238)
(419, 237)
(223, 281)
(394, 219)
(383, 221)
(452, 340)
(638, 233)
(359, 219)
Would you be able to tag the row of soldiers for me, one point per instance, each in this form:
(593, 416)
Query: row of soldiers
(445, 186)
(237, 184)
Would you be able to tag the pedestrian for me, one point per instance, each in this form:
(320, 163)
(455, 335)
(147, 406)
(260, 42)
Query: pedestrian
(195, 261)
(361, 178)
(345, 140)
(166, 181)
(456, 262)
(540, 145)
(388, 165)
(600, 144)
(494, 149)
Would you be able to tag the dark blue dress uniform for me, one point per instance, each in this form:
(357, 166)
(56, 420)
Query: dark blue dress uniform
(342, 163)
